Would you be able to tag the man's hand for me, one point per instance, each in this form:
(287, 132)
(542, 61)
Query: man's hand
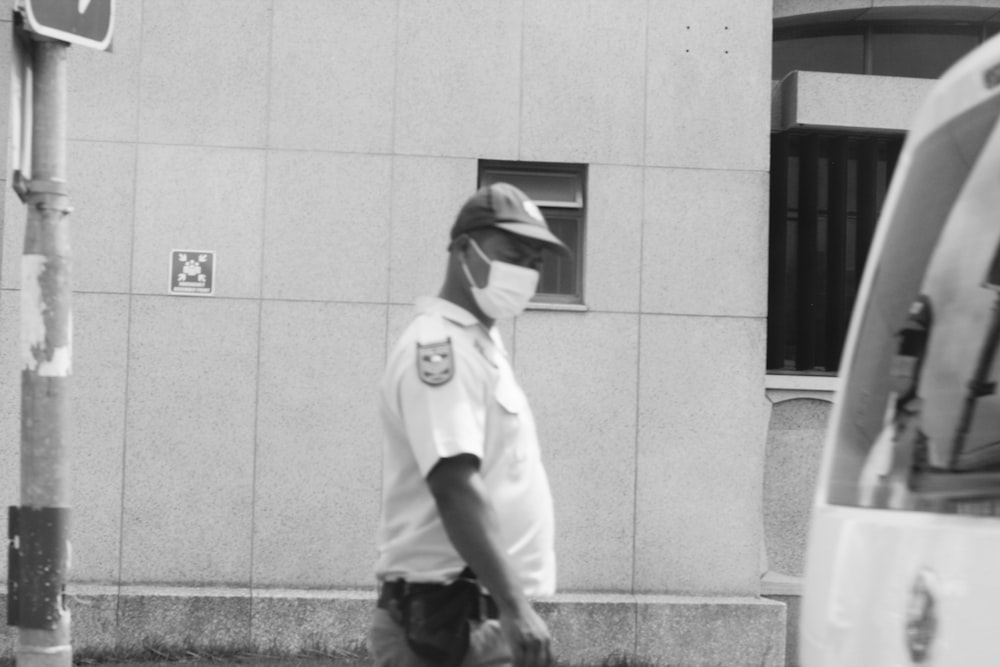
(528, 637)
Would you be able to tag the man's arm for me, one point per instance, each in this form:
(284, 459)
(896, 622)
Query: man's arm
(472, 526)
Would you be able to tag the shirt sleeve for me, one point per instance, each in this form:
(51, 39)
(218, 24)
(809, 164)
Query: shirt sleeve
(444, 420)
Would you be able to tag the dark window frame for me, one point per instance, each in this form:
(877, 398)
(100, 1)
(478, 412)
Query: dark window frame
(827, 189)
(556, 270)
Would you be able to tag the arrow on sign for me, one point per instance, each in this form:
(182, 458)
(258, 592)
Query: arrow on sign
(83, 6)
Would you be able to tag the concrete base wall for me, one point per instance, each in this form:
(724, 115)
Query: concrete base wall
(793, 609)
(665, 630)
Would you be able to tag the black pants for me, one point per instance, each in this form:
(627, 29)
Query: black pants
(487, 646)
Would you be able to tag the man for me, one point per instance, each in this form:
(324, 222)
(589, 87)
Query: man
(465, 537)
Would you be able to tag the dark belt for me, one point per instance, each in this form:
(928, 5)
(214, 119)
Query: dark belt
(391, 594)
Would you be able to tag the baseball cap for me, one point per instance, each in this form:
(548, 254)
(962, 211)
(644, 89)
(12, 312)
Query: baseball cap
(503, 206)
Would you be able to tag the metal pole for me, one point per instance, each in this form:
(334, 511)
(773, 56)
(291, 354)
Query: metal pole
(46, 361)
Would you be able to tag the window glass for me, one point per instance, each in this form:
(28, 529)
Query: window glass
(560, 193)
(559, 275)
(824, 207)
(919, 53)
(545, 189)
(822, 53)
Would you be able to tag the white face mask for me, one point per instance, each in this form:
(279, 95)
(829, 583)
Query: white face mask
(508, 289)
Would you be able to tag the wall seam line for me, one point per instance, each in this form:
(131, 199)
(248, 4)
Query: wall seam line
(638, 358)
(260, 321)
(520, 88)
(128, 335)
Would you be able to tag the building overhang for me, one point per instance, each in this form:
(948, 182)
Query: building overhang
(788, 13)
(859, 102)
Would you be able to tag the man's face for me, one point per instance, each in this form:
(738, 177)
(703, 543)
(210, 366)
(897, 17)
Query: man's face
(502, 247)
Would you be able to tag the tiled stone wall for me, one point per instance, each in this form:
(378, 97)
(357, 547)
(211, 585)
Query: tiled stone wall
(794, 448)
(322, 150)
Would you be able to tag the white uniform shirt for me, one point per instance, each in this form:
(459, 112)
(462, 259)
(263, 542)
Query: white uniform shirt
(449, 389)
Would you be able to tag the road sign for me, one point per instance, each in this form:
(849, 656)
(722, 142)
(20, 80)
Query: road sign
(84, 22)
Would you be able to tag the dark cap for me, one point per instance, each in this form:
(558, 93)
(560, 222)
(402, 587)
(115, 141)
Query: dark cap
(503, 206)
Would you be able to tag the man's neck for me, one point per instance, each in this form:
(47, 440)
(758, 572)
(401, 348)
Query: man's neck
(463, 299)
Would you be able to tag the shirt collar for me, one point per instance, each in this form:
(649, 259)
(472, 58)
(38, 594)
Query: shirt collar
(446, 309)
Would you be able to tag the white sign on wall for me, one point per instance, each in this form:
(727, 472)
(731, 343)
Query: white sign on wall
(192, 272)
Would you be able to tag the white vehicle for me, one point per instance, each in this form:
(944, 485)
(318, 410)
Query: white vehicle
(903, 564)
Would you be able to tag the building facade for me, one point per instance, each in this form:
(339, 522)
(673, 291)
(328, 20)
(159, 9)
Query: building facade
(226, 448)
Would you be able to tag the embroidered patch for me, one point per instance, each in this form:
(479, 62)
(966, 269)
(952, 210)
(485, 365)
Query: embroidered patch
(435, 363)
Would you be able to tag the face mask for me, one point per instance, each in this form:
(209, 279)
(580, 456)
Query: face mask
(508, 289)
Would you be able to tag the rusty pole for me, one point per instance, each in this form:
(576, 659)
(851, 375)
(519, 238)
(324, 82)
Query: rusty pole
(42, 520)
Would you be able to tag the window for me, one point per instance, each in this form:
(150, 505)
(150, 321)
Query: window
(827, 190)
(812, 52)
(911, 49)
(559, 190)
(919, 52)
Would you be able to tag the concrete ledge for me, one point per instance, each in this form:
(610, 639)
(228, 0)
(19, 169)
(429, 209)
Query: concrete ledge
(588, 628)
(776, 583)
(860, 102)
(669, 630)
(290, 621)
(793, 610)
(711, 631)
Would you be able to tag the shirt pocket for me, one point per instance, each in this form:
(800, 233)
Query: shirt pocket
(513, 413)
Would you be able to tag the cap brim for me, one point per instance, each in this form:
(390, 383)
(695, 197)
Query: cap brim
(537, 233)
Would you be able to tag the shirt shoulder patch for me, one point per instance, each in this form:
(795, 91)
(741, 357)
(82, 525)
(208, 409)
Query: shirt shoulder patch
(435, 362)
(435, 352)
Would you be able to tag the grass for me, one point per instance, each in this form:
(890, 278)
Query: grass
(355, 655)
(351, 656)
